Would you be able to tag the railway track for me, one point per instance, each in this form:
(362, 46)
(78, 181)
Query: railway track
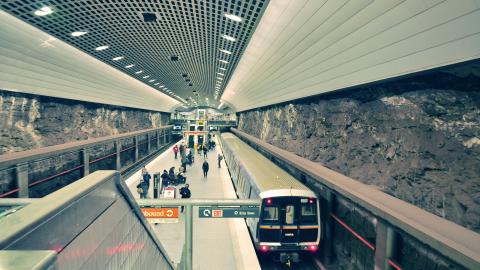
(308, 262)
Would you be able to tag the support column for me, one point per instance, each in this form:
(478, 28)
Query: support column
(136, 148)
(149, 146)
(21, 177)
(188, 236)
(118, 162)
(169, 136)
(384, 245)
(328, 239)
(85, 161)
(158, 139)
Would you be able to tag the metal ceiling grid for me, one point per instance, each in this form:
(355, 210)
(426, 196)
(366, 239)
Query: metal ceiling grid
(189, 29)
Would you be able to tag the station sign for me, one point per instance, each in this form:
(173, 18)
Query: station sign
(160, 214)
(246, 211)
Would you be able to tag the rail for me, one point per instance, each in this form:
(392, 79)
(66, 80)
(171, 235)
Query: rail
(94, 223)
(392, 216)
(17, 164)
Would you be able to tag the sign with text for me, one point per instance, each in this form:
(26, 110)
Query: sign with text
(161, 215)
(248, 211)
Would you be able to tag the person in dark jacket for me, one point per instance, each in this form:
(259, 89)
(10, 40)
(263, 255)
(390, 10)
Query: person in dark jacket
(146, 179)
(171, 175)
(164, 177)
(219, 158)
(185, 193)
(205, 150)
(142, 189)
(205, 168)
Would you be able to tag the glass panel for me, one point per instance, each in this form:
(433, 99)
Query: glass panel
(309, 212)
(290, 214)
(270, 213)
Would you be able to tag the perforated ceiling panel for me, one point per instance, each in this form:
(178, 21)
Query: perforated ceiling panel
(145, 38)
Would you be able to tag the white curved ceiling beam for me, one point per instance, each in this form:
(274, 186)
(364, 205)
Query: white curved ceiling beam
(303, 48)
(34, 62)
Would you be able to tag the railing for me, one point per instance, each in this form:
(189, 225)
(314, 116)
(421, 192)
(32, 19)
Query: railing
(27, 169)
(222, 123)
(398, 228)
(93, 223)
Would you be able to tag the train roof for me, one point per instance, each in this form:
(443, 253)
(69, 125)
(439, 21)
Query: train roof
(268, 176)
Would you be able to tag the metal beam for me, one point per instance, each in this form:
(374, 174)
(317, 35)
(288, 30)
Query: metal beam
(196, 202)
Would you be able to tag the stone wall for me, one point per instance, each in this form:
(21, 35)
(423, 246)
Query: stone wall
(416, 138)
(30, 121)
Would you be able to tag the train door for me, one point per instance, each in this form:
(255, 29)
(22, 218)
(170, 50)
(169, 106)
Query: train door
(289, 223)
(200, 139)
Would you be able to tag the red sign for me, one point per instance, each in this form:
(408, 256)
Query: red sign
(160, 212)
(217, 213)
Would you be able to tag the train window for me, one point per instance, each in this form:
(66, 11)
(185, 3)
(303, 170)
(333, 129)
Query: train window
(270, 214)
(289, 214)
(309, 212)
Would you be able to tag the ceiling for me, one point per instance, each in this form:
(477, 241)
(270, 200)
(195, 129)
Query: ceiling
(303, 48)
(143, 35)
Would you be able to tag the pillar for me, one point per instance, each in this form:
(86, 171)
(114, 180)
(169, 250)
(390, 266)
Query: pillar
(328, 239)
(118, 162)
(136, 147)
(21, 177)
(149, 146)
(85, 161)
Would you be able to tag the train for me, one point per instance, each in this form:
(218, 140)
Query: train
(289, 222)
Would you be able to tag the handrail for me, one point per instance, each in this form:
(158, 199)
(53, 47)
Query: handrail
(27, 156)
(449, 239)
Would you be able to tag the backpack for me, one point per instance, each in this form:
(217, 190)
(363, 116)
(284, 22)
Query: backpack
(139, 188)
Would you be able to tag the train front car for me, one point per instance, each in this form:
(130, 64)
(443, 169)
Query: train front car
(289, 224)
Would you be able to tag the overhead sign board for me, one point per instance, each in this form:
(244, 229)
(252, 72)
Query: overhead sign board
(160, 214)
(247, 211)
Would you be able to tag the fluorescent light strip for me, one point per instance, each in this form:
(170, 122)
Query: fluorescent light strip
(138, 72)
(223, 61)
(101, 48)
(118, 58)
(225, 51)
(129, 66)
(78, 33)
(229, 38)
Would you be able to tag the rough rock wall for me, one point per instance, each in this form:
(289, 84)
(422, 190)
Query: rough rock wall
(30, 121)
(417, 139)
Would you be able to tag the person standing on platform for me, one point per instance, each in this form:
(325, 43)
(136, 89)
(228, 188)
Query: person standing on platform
(175, 150)
(164, 177)
(219, 158)
(182, 149)
(146, 178)
(205, 150)
(205, 168)
(184, 163)
(185, 193)
(141, 189)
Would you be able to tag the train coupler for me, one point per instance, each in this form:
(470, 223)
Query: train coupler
(289, 257)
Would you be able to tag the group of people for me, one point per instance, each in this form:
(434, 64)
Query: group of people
(170, 177)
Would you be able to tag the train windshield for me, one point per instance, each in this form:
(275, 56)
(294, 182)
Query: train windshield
(270, 214)
(309, 213)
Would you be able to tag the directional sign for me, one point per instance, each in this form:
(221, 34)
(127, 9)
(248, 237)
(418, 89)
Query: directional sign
(249, 211)
(161, 215)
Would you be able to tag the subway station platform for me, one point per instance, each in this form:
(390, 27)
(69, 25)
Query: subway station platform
(217, 243)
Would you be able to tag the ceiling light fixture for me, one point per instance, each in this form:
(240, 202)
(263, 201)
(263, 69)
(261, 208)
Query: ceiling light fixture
(129, 66)
(146, 76)
(138, 72)
(117, 58)
(221, 74)
(223, 61)
(157, 83)
(225, 51)
(223, 68)
(229, 38)
(101, 48)
(151, 80)
(43, 11)
(78, 33)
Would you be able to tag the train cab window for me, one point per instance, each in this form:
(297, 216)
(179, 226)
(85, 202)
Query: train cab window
(289, 214)
(270, 214)
(309, 212)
